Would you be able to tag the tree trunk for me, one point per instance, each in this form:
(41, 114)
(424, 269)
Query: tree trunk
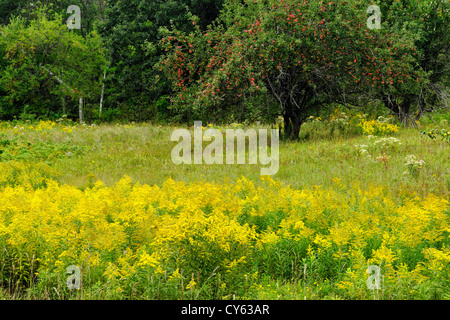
(295, 131)
(101, 96)
(405, 112)
(80, 110)
(401, 110)
(296, 125)
(286, 125)
(292, 122)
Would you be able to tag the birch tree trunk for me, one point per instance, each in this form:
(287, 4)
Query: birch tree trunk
(101, 96)
(80, 110)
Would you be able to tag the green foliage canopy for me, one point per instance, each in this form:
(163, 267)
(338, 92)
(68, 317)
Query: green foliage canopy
(307, 54)
(43, 62)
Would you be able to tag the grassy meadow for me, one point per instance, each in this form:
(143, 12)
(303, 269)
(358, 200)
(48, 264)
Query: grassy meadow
(107, 198)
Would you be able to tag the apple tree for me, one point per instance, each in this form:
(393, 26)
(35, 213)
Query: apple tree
(306, 54)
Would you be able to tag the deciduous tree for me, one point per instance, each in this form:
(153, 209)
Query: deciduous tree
(306, 53)
(44, 62)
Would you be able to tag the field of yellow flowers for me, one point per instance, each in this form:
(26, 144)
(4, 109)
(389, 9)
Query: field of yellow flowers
(155, 230)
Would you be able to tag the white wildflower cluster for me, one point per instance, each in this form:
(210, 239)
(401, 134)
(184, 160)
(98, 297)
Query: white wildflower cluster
(413, 165)
(341, 121)
(362, 149)
(388, 142)
(383, 143)
(411, 160)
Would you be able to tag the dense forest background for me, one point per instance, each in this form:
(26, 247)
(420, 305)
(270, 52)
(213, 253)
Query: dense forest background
(222, 60)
